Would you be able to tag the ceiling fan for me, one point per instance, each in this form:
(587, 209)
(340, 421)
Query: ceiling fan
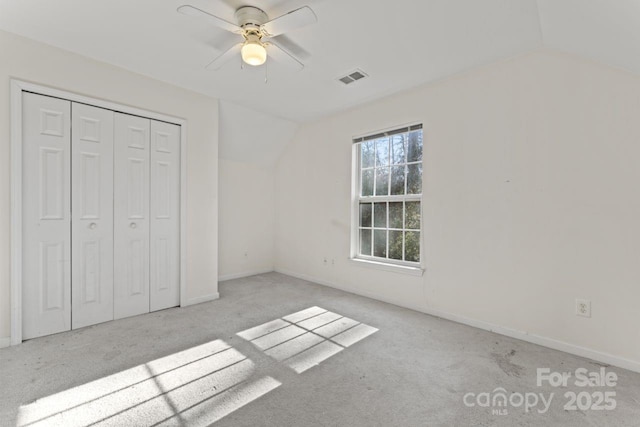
(257, 32)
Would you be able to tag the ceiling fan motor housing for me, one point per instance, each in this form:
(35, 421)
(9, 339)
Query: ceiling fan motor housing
(249, 17)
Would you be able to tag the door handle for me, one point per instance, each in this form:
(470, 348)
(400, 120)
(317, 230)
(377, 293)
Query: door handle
(93, 225)
(133, 225)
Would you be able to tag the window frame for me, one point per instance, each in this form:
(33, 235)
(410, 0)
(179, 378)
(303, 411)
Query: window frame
(410, 267)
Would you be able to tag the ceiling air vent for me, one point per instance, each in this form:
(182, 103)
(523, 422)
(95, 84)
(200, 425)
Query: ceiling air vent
(353, 77)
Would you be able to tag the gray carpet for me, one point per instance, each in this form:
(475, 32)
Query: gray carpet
(278, 351)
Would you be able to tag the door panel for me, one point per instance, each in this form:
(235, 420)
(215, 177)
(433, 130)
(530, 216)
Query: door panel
(52, 167)
(53, 276)
(137, 183)
(131, 210)
(90, 180)
(92, 207)
(165, 215)
(46, 245)
(137, 271)
(91, 283)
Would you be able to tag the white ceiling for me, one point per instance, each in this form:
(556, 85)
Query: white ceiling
(399, 43)
(605, 30)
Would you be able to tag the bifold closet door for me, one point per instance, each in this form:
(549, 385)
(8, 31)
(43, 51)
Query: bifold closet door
(131, 215)
(46, 215)
(165, 216)
(92, 215)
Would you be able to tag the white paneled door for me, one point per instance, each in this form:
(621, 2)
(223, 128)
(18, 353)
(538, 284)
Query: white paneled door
(131, 215)
(165, 216)
(100, 214)
(46, 234)
(92, 215)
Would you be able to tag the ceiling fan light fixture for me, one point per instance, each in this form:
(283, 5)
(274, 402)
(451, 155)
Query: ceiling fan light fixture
(254, 53)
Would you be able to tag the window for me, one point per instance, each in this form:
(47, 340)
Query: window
(388, 202)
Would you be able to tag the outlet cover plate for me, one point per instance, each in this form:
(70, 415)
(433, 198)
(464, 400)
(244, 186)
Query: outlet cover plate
(583, 307)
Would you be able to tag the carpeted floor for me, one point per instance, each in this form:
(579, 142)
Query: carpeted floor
(278, 351)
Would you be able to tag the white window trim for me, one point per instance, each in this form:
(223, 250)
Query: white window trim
(387, 266)
(411, 268)
(17, 88)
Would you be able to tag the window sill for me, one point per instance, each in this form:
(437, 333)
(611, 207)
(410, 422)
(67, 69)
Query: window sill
(395, 268)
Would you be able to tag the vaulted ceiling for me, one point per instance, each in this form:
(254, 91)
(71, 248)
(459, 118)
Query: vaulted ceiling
(399, 43)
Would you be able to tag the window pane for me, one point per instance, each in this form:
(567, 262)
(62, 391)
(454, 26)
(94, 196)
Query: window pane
(397, 180)
(412, 246)
(368, 154)
(398, 149)
(414, 179)
(380, 243)
(395, 244)
(365, 214)
(380, 215)
(413, 216)
(367, 182)
(395, 215)
(414, 152)
(365, 242)
(382, 182)
(382, 152)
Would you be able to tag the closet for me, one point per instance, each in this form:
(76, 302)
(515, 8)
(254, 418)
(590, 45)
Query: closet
(101, 215)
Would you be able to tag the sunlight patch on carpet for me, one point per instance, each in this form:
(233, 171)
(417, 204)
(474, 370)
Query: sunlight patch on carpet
(194, 387)
(308, 337)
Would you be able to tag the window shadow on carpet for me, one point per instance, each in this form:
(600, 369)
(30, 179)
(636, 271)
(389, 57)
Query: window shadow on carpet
(305, 339)
(194, 387)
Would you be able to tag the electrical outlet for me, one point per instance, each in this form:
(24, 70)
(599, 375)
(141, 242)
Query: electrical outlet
(583, 307)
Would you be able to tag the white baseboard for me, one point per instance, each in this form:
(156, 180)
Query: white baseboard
(554, 344)
(245, 274)
(5, 342)
(199, 300)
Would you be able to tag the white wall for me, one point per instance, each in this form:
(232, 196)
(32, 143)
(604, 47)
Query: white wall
(250, 143)
(39, 63)
(250, 136)
(532, 200)
(247, 219)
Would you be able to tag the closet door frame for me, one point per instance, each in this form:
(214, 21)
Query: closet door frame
(17, 89)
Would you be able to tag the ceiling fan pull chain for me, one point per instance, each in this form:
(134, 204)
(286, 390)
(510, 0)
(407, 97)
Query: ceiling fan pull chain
(266, 73)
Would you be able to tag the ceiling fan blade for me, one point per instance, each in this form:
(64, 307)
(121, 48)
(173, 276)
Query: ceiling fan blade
(218, 62)
(293, 20)
(285, 42)
(219, 22)
(282, 56)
